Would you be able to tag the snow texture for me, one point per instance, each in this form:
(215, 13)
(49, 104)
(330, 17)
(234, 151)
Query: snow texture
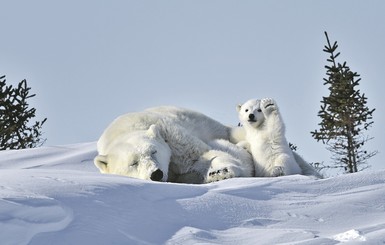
(55, 195)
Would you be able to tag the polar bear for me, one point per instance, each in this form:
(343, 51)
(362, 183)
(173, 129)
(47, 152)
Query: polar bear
(265, 138)
(170, 144)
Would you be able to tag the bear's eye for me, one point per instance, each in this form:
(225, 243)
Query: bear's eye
(154, 152)
(259, 110)
(135, 163)
(246, 110)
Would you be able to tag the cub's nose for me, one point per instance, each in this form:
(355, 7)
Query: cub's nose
(157, 175)
(251, 116)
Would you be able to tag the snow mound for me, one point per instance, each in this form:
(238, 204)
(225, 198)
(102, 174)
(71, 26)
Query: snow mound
(55, 195)
(351, 235)
(23, 218)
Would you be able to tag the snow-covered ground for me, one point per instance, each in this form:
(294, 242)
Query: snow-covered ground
(55, 195)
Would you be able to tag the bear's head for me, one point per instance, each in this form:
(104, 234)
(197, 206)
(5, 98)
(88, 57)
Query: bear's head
(142, 154)
(250, 113)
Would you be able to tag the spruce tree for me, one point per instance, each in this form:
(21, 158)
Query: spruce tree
(16, 131)
(344, 116)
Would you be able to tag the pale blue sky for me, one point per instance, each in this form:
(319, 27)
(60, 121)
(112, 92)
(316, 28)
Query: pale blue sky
(90, 61)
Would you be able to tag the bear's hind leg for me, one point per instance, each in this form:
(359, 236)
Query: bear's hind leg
(278, 171)
(219, 174)
(285, 165)
(222, 166)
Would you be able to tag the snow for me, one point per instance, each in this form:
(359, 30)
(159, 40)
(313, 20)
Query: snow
(349, 236)
(55, 195)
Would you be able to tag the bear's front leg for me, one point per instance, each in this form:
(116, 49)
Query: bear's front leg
(273, 119)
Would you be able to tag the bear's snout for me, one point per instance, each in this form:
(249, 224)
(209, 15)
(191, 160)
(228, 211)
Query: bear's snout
(251, 116)
(157, 175)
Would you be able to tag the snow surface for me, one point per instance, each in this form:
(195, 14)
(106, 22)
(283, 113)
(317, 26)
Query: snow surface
(55, 195)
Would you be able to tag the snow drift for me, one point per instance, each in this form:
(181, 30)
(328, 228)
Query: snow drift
(55, 195)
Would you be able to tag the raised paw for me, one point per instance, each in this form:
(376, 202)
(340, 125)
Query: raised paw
(268, 105)
(278, 171)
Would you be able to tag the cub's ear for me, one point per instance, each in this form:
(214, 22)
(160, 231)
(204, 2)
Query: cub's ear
(101, 162)
(153, 131)
(239, 107)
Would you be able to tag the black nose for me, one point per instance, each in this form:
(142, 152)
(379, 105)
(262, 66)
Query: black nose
(157, 175)
(251, 116)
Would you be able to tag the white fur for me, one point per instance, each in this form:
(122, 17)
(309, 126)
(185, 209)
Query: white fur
(265, 138)
(170, 144)
(224, 160)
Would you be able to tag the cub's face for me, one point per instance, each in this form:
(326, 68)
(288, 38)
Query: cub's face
(250, 113)
(142, 155)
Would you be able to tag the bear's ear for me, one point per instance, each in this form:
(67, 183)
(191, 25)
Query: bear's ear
(153, 131)
(239, 107)
(101, 162)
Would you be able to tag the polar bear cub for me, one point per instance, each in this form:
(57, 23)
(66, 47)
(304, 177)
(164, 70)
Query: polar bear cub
(265, 134)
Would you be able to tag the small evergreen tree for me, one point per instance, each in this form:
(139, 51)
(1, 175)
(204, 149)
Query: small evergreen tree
(344, 116)
(15, 114)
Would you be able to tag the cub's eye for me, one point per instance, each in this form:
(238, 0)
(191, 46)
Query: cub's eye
(135, 163)
(259, 110)
(154, 152)
(246, 110)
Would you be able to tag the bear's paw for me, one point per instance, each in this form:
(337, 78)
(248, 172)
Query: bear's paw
(219, 174)
(268, 105)
(278, 171)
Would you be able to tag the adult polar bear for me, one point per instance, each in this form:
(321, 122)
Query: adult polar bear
(265, 139)
(171, 144)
